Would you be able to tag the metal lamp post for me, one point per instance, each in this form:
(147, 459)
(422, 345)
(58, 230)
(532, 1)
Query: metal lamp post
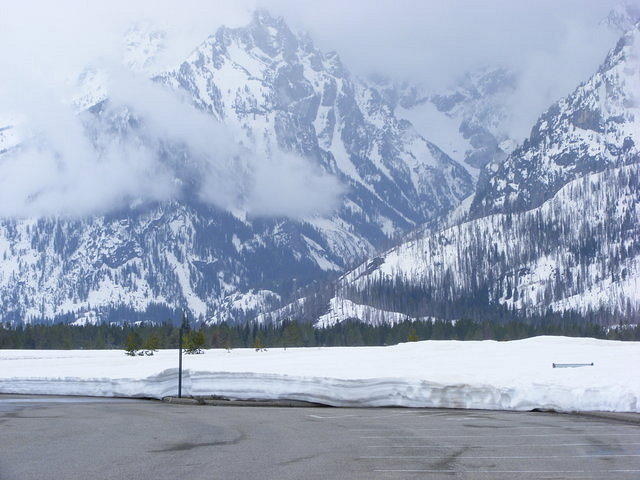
(184, 327)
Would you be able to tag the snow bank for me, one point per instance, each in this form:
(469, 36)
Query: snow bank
(486, 375)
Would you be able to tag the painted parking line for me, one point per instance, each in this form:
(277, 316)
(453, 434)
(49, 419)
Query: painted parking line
(415, 437)
(498, 457)
(388, 415)
(331, 416)
(599, 473)
(466, 419)
(429, 429)
(505, 446)
(413, 416)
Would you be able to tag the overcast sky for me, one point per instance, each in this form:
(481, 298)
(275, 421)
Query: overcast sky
(431, 41)
(553, 45)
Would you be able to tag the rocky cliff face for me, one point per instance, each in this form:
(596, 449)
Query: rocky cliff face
(594, 128)
(469, 120)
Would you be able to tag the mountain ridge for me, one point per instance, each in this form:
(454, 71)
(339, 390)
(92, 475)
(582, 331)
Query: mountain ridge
(281, 94)
(551, 230)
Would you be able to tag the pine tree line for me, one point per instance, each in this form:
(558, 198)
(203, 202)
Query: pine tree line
(515, 265)
(294, 334)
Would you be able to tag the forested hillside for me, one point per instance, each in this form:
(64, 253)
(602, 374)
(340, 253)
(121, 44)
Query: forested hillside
(554, 228)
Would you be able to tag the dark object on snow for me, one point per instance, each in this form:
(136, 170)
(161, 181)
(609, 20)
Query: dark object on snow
(571, 365)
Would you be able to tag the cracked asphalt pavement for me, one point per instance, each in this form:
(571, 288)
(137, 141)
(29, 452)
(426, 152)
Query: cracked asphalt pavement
(90, 438)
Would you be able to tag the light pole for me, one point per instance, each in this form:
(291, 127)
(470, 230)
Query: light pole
(184, 326)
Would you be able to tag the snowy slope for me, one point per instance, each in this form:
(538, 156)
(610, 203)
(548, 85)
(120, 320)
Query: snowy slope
(338, 310)
(423, 374)
(578, 251)
(469, 121)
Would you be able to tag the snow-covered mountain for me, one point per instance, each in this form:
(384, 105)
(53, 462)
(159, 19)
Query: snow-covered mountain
(283, 94)
(594, 128)
(622, 17)
(473, 120)
(469, 120)
(553, 228)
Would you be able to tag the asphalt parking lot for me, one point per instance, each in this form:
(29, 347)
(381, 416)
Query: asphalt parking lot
(75, 438)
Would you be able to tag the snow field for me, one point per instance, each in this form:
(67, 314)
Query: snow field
(515, 375)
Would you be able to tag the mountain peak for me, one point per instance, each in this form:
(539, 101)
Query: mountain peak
(266, 32)
(623, 17)
(144, 46)
(627, 49)
(263, 17)
(310, 129)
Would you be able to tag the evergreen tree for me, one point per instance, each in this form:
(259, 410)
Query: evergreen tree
(413, 336)
(258, 345)
(292, 336)
(132, 343)
(216, 339)
(194, 342)
(152, 343)
(59, 336)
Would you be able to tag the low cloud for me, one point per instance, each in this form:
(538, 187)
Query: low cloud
(148, 144)
(287, 185)
(67, 167)
(552, 46)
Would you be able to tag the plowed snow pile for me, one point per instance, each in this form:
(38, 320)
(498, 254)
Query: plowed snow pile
(514, 375)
